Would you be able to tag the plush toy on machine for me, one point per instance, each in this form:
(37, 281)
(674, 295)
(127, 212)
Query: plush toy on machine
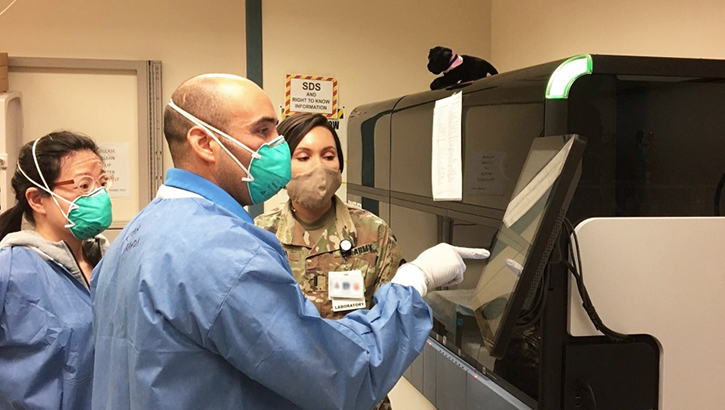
(456, 68)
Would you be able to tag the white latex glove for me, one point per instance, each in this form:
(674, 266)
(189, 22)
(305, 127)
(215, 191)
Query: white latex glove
(441, 265)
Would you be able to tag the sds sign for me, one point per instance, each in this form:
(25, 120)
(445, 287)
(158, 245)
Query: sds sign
(311, 86)
(306, 93)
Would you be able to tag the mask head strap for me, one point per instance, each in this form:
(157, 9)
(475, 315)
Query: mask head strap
(211, 130)
(45, 187)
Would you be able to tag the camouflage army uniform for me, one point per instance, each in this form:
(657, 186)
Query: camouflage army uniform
(374, 252)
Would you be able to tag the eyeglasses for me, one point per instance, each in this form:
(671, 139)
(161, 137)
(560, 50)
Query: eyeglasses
(86, 183)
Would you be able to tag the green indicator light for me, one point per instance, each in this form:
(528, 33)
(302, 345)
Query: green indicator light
(565, 75)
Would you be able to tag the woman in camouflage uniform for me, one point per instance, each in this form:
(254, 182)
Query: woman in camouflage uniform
(319, 231)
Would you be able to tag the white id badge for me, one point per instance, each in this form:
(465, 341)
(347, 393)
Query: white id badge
(341, 305)
(348, 285)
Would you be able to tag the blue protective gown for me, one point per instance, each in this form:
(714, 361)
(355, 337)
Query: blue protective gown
(46, 345)
(196, 308)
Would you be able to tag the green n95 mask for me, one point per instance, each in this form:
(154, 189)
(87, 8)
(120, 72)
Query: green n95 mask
(90, 214)
(270, 168)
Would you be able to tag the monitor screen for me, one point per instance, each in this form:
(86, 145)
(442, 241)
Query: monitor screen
(521, 248)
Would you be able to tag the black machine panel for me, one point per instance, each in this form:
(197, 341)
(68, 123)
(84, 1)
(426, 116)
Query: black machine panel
(655, 145)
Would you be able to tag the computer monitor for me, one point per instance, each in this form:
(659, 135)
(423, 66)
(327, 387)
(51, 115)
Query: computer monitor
(520, 250)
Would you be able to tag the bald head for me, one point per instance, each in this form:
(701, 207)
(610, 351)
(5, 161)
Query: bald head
(208, 97)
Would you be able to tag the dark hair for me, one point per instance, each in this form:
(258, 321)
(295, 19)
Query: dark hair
(295, 127)
(51, 149)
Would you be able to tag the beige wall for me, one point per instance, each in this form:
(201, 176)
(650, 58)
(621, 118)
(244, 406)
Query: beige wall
(525, 33)
(377, 49)
(189, 37)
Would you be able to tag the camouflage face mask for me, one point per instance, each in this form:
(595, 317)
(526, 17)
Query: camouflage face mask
(314, 189)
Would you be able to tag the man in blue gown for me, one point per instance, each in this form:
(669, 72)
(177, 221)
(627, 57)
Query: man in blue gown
(194, 307)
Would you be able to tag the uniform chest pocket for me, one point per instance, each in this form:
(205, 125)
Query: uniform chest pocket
(293, 255)
(297, 263)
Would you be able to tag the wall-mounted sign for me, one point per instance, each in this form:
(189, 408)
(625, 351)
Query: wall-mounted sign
(116, 162)
(306, 93)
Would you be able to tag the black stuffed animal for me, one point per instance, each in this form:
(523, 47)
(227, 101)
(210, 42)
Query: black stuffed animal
(456, 69)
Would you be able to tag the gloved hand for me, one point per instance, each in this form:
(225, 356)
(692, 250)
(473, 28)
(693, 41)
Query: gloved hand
(441, 265)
